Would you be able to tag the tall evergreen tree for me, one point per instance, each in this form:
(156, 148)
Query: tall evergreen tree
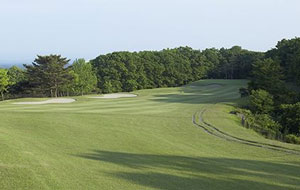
(48, 73)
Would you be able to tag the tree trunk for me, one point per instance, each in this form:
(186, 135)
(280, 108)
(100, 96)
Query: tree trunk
(56, 92)
(56, 88)
(2, 95)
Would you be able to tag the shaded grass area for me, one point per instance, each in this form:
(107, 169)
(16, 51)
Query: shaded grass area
(182, 172)
(204, 93)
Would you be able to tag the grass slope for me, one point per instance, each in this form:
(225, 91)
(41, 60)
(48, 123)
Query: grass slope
(147, 142)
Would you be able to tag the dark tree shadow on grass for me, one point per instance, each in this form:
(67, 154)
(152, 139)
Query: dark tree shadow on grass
(168, 172)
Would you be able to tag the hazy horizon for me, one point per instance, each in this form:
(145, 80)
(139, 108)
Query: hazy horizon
(86, 29)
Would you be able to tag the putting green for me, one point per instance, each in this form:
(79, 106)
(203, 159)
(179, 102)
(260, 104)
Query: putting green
(146, 142)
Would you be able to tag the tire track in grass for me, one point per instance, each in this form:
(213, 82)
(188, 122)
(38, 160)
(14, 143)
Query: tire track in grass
(237, 138)
(212, 130)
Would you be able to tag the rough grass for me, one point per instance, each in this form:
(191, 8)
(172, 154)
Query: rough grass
(147, 142)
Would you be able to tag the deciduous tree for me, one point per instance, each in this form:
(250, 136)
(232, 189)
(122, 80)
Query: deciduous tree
(4, 82)
(85, 79)
(261, 102)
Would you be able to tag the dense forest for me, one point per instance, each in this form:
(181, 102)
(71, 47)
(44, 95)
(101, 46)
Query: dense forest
(125, 71)
(273, 99)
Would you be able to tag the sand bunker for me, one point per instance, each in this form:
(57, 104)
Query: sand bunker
(112, 96)
(50, 101)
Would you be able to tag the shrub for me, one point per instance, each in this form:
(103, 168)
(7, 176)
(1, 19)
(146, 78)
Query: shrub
(261, 102)
(292, 139)
(290, 117)
(261, 123)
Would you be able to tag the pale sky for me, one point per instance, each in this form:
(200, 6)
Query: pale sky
(87, 28)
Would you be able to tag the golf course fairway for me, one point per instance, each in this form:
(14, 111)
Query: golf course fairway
(155, 140)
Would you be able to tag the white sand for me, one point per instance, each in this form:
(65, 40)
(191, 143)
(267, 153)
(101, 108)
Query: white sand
(50, 101)
(112, 96)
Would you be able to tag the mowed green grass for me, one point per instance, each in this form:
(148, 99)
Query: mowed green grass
(143, 143)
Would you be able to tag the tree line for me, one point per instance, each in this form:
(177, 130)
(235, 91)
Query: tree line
(272, 108)
(126, 71)
(54, 76)
(48, 76)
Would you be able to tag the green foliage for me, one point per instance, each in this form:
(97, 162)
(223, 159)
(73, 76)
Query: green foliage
(85, 80)
(290, 118)
(263, 124)
(48, 74)
(265, 121)
(68, 87)
(130, 85)
(18, 82)
(16, 75)
(267, 75)
(287, 52)
(4, 82)
(127, 71)
(261, 102)
(292, 139)
(281, 67)
(107, 87)
(233, 63)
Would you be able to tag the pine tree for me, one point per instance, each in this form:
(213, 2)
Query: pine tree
(48, 73)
